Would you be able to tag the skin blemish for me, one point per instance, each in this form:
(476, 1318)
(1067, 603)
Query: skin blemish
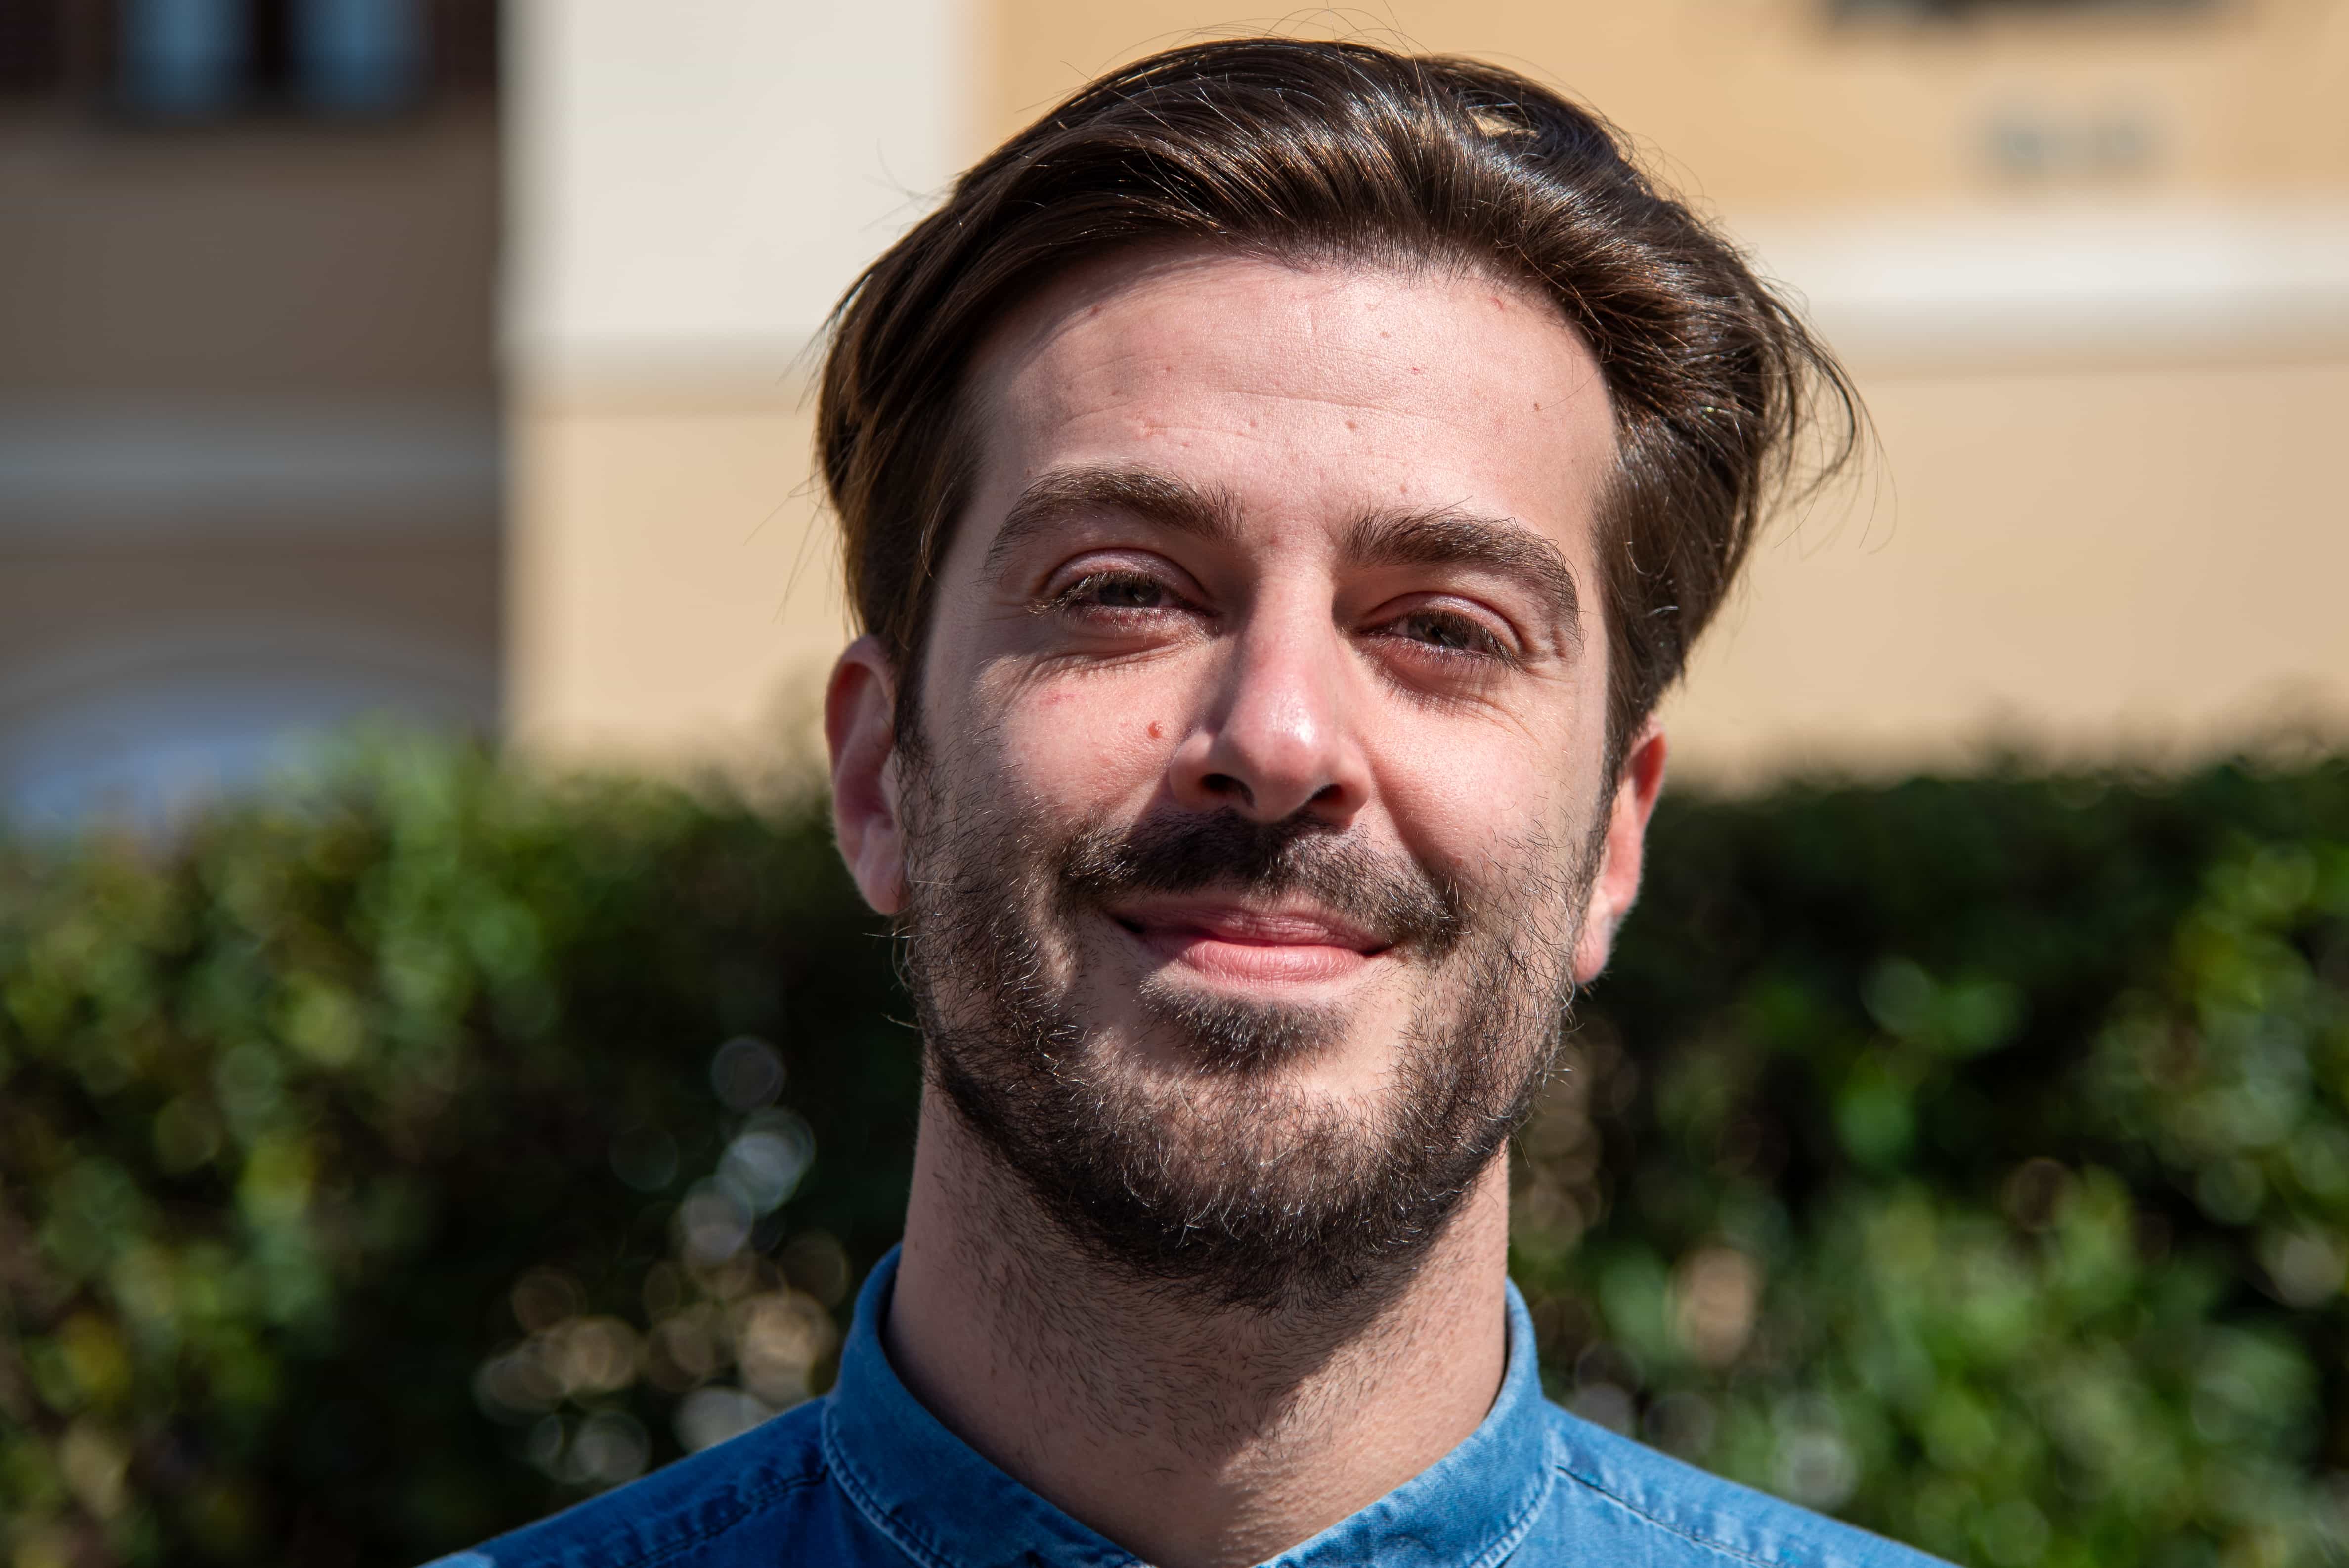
(1154, 730)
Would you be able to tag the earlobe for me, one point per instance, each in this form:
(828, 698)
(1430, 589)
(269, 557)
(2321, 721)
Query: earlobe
(860, 716)
(1616, 885)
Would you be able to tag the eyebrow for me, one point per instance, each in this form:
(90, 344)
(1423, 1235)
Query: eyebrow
(1059, 495)
(1499, 545)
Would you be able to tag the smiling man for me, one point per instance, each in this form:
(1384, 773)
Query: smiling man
(1276, 488)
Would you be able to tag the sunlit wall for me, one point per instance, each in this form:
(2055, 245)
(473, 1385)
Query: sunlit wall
(366, 357)
(250, 476)
(2090, 262)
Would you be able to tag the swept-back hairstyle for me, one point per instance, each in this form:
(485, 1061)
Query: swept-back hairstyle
(1319, 152)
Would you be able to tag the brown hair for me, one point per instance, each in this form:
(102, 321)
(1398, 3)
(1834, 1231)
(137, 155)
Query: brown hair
(1331, 151)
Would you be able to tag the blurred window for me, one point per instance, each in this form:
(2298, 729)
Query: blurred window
(184, 58)
(173, 62)
(359, 56)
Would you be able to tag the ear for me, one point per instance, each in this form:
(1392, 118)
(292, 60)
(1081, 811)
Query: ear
(860, 727)
(1617, 884)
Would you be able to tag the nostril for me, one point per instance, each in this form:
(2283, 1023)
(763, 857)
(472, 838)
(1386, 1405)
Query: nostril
(1224, 784)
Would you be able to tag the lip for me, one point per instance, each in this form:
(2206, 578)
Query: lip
(1226, 940)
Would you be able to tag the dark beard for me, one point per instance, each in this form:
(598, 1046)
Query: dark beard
(1227, 1184)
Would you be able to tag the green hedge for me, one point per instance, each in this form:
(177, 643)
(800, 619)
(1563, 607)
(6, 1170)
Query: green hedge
(390, 1161)
(1972, 1159)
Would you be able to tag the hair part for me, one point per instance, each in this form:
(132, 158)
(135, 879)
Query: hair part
(1317, 152)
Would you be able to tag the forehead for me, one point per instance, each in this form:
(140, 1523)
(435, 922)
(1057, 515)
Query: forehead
(1306, 392)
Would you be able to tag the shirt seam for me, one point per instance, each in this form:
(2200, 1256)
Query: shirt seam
(755, 1503)
(1512, 1538)
(1723, 1547)
(899, 1533)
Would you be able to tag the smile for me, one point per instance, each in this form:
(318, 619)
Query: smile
(1241, 944)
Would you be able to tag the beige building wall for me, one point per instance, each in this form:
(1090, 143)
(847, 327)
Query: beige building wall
(677, 590)
(2093, 276)
(2077, 563)
(1769, 104)
(249, 458)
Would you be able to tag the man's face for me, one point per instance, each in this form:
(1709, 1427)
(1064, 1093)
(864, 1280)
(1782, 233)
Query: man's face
(1256, 832)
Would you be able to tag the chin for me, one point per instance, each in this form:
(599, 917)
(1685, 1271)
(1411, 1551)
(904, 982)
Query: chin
(1219, 1030)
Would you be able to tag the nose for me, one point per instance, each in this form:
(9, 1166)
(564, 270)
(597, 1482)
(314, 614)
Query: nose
(1278, 738)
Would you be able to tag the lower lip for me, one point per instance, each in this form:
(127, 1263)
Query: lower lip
(1253, 962)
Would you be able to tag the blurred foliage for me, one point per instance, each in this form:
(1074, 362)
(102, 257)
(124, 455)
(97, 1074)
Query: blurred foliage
(1971, 1158)
(387, 1162)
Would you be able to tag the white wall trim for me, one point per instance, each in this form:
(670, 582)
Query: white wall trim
(1922, 290)
(158, 470)
(2148, 282)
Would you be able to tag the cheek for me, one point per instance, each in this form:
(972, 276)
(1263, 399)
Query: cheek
(1083, 746)
(1486, 808)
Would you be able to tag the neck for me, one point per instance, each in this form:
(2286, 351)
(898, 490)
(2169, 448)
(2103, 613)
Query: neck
(1255, 1429)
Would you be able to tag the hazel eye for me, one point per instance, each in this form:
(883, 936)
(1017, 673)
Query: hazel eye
(1127, 593)
(1446, 632)
(1117, 591)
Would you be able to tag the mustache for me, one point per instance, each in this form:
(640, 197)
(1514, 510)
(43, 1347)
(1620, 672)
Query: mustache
(1389, 895)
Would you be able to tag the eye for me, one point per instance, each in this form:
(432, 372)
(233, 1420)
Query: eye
(1117, 591)
(1448, 632)
(1112, 597)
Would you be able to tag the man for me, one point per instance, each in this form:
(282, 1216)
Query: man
(1276, 488)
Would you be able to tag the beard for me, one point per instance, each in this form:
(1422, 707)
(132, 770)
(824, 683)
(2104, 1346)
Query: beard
(1222, 1178)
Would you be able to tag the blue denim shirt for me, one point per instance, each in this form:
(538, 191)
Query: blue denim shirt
(865, 1476)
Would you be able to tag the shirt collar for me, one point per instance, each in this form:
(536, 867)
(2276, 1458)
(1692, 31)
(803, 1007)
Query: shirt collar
(946, 1507)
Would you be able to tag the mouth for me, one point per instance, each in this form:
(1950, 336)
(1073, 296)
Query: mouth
(1253, 945)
